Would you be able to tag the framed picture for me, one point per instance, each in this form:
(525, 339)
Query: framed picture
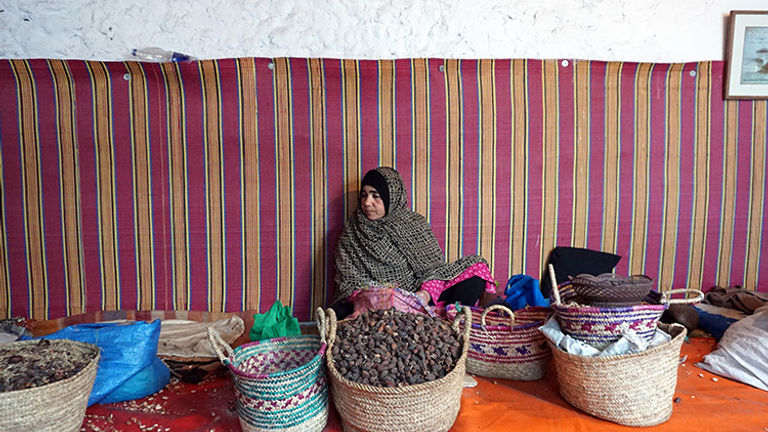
(747, 56)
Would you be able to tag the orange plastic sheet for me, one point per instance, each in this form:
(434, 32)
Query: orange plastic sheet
(706, 402)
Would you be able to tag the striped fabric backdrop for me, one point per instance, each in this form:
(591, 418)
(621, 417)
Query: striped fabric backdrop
(224, 185)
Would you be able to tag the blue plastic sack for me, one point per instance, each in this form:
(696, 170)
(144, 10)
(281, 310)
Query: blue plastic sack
(522, 291)
(129, 367)
(148, 381)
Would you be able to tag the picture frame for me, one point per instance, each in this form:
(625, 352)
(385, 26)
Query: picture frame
(747, 55)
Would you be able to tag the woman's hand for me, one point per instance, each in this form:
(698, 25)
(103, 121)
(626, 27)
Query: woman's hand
(423, 295)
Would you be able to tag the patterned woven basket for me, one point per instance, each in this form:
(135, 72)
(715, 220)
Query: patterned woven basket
(280, 383)
(630, 389)
(56, 407)
(601, 326)
(427, 407)
(507, 345)
(609, 289)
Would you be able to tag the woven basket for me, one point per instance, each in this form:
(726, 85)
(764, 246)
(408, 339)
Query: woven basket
(601, 326)
(427, 407)
(630, 389)
(507, 345)
(55, 407)
(609, 289)
(280, 383)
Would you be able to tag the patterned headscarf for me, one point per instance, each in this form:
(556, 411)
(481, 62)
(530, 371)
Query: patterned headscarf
(399, 247)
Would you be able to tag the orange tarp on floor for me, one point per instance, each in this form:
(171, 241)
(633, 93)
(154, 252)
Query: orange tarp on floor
(705, 404)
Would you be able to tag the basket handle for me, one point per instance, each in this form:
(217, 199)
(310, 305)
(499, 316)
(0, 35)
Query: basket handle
(665, 296)
(330, 320)
(218, 344)
(466, 314)
(501, 308)
(553, 280)
(322, 325)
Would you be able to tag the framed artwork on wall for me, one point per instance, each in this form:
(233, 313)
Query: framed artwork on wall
(747, 56)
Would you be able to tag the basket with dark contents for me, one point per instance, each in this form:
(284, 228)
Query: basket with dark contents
(397, 371)
(45, 384)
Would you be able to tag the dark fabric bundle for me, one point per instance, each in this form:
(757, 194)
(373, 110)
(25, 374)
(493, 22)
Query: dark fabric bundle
(571, 261)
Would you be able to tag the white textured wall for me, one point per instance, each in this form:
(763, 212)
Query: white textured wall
(631, 30)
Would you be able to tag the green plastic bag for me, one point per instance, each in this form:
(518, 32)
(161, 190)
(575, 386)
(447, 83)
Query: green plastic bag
(277, 322)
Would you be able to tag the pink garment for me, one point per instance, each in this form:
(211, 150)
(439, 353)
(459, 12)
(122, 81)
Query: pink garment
(435, 287)
(384, 296)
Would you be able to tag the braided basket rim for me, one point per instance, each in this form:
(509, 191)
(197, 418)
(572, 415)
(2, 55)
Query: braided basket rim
(319, 354)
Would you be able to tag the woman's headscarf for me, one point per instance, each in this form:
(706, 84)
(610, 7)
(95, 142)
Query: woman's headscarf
(399, 247)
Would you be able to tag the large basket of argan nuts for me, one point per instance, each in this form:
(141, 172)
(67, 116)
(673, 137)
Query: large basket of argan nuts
(45, 384)
(393, 371)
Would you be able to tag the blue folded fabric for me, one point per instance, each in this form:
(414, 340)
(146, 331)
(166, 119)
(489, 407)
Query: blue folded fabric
(714, 324)
(522, 291)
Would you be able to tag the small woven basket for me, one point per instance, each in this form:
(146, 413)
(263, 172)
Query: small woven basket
(601, 326)
(630, 389)
(280, 383)
(609, 289)
(56, 407)
(507, 345)
(427, 407)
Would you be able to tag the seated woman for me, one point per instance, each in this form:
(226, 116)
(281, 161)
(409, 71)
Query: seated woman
(385, 242)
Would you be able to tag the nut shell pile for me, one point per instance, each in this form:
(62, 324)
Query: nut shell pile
(389, 348)
(38, 364)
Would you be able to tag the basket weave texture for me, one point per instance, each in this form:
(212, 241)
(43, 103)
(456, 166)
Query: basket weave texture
(600, 326)
(280, 383)
(427, 407)
(609, 289)
(55, 407)
(507, 345)
(631, 389)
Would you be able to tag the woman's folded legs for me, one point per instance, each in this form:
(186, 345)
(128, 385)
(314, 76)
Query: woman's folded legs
(466, 292)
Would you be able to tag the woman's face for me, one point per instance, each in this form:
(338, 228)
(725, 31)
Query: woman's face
(371, 203)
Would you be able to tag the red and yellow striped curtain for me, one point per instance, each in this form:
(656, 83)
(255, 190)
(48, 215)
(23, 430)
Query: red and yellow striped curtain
(223, 185)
